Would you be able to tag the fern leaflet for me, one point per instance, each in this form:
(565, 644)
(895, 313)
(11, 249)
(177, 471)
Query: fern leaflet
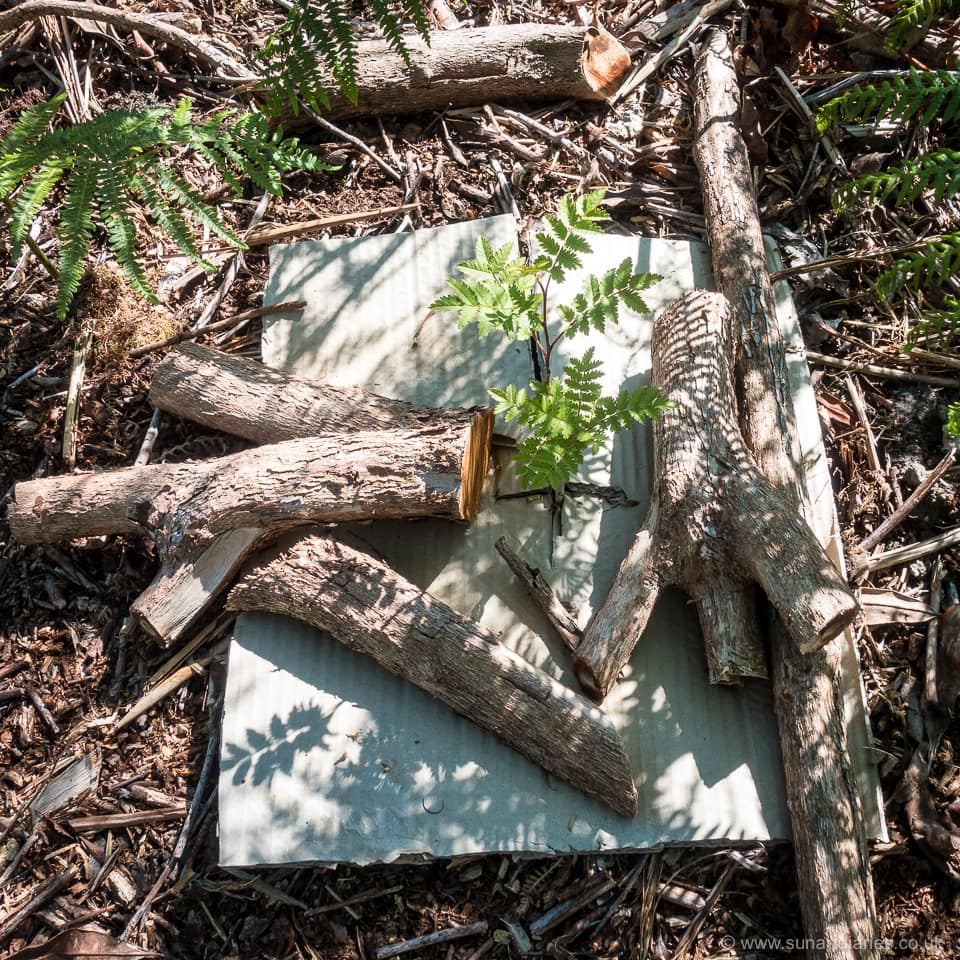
(938, 171)
(911, 15)
(930, 265)
(317, 44)
(925, 96)
(118, 162)
(937, 329)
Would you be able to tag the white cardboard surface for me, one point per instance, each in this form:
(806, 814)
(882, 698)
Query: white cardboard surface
(327, 757)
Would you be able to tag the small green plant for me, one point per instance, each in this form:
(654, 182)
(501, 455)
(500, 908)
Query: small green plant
(910, 16)
(317, 36)
(953, 420)
(564, 414)
(118, 163)
(923, 98)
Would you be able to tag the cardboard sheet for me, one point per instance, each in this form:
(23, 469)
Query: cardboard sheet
(326, 757)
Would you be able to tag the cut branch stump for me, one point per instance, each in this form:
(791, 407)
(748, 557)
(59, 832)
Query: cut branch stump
(715, 522)
(250, 400)
(826, 815)
(435, 470)
(370, 608)
(463, 68)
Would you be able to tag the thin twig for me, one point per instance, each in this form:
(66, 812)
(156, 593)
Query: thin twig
(856, 397)
(142, 23)
(542, 595)
(180, 846)
(903, 511)
(931, 698)
(696, 924)
(392, 173)
(914, 551)
(429, 939)
(163, 689)
(831, 263)
(272, 234)
(149, 440)
(41, 708)
(650, 67)
(508, 203)
(807, 114)
(34, 246)
(43, 896)
(887, 373)
(77, 373)
(118, 821)
(237, 318)
(233, 268)
(567, 908)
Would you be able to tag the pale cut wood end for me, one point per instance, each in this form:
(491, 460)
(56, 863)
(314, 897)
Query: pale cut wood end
(476, 460)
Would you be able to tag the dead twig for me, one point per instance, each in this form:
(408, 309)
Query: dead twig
(180, 846)
(913, 551)
(887, 373)
(237, 318)
(41, 708)
(856, 398)
(567, 908)
(651, 66)
(205, 51)
(696, 924)
(118, 821)
(542, 595)
(233, 268)
(430, 939)
(42, 897)
(391, 172)
(77, 373)
(902, 512)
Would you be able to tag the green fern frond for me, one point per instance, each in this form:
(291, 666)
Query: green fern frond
(599, 301)
(31, 199)
(562, 237)
(30, 126)
(911, 16)
(930, 265)
(391, 26)
(110, 165)
(114, 206)
(937, 329)
(497, 292)
(168, 217)
(563, 415)
(317, 45)
(75, 231)
(924, 95)
(938, 171)
(570, 418)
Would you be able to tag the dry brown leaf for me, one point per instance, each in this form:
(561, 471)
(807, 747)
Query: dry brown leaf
(605, 61)
(83, 943)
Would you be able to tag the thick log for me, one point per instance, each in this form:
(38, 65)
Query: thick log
(253, 401)
(467, 67)
(826, 815)
(435, 470)
(370, 608)
(715, 522)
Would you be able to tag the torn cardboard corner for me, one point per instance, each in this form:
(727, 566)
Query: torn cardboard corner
(326, 757)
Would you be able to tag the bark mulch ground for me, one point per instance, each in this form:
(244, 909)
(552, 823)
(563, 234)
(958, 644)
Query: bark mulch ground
(131, 854)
